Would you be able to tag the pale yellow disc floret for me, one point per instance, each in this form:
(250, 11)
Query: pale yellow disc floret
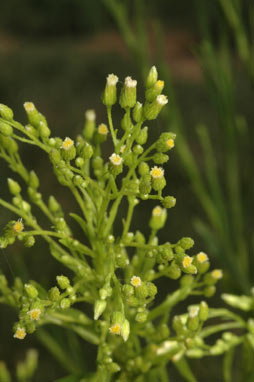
(116, 159)
(122, 149)
(162, 99)
(130, 83)
(67, 144)
(34, 314)
(157, 211)
(18, 226)
(217, 274)
(136, 281)
(157, 172)
(102, 129)
(193, 311)
(90, 115)
(159, 84)
(20, 333)
(170, 143)
(112, 80)
(202, 257)
(187, 260)
(115, 329)
(29, 106)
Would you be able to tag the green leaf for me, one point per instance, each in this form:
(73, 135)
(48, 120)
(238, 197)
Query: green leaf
(185, 370)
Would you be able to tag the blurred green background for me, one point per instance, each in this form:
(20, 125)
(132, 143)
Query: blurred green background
(57, 54)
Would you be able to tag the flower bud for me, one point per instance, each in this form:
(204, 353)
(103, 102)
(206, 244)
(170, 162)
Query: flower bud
(128, 290)
(29, 241)
(169, 202)
(186, 280)
(151, 288)
(142, 136)
(110, 94)
(55, 156)
(138, 150)
(158, 219)
(152, 110)
(125, 330)
(33, 115)
(54, 294)
(186, 243)
(143, 168)
(115, 166)
(53, 205)
(33, 180)
(201, 262)
(173, 271)
(67, 149)
(65, 303)
(145, 184)
(154, 91)
(137, 112)
(165, 142)
(5, 129)
(126, 123)
(31, 291)
(142, 291)
(14, 187)
(212, 277)
(128, 93)
(160, 158)
(203, 311)
(152, 77)
(44, 130)
(89, 126)
(141, 317)
(99, 307)
(209, 291)
(245, 303)
(193, 318)
(6, 112)
(63, 281)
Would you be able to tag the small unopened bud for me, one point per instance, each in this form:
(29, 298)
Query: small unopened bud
(14, 187)
(169, 202)
(89, 126)
(152, 77)
(110, 94)
(63, 281)
(152, 110)
(128, 93)
(125, 330)
(5, 129)
(158, 219)
(31, 291)
(138, 112)
(6, 112)
(154, 91)
(99, 307)
(203, 311)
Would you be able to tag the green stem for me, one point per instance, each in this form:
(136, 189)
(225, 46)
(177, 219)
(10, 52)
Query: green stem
(111, 126)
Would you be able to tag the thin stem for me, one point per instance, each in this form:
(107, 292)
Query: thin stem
(110, 122)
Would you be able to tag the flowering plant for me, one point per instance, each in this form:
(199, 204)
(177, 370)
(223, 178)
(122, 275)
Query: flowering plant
(114, 270)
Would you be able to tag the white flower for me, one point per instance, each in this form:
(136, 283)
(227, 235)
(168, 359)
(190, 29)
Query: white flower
(130, 83)
(162, 99)
(67, 144)
(136, 281)
(157, 172)
(90, 115)
(112, 80)
(116, 159)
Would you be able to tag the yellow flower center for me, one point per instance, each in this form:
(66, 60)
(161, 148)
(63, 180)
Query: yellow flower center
(67, 143)
(217, 274)
(157, 211)
(135, 281)
(29, 106)
(115, 329)
(157, 172)
(160, 84)
(202, 257)
(116, 159)
(102, 129)
(34, 314)
(20, 333)
(18, 226)
(187, 260)
(170, 143)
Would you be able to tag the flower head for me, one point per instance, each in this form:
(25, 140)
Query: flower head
(157, 172)
(102, 129)
(20, 333)
(157, 211)
(116, 159)
(112, 80)
(115, 329)
(193, 311)
(136, 281)
(67, 144)
(130, 83)
(217, 274)
(162, 99)
(187, 260)
(29, 106)
(170, 143)
(202, 257)
(34, 314)
(90, 115)
(18, 226)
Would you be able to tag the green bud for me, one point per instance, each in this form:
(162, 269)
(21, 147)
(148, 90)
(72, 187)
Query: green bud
(33, 180)
(34, 117)
(158, 183)
(145, 184)
(125, 330)
(131, 187)
(143, 168)
(138, 150)
(165, 142)
(89, 126)
(209, 291)
(152, 77)
(152, 110)
(138, 112)
(30, 327)
(158, 219)
(151, 288)
(31, 130)
(34, 195)
(154, 91)
(203, 311)
(133, 301)
(63, 281)
(186, 280)
(65, 303)
(178, 325)
(44, 131)
(6, 112)
(141, 317)
(160, 158)
(245, 303)
(29, 241)
(14, 187)
(212, 277)
(53, 205)
(5, 129)
(142, 136)
(126, 123)
(86, 151)
(31, 291)
(12, 146)
(5, 376)
(129, 159)
(115, 169)
(79, 162)
(55, 156)
(193, 318)
(166, 252)
(128, 93)
(141, 291)
(122, 259)
(195, 353)
(78, 180)
(113, 367)
(173, 271)
(99, 307)
(139, 237)
(186, 243)
(110, 93)
(54, 294)
(128, 290)
(67, 149)
(117, 318)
